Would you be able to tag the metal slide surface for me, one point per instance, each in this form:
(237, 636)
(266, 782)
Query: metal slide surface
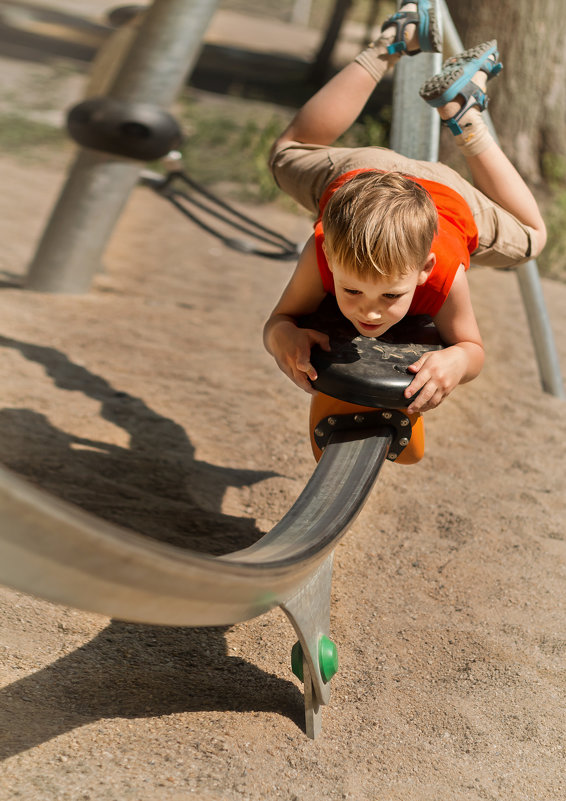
(56, 551)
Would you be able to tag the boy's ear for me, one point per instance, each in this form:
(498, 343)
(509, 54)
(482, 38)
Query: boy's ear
(426, 269)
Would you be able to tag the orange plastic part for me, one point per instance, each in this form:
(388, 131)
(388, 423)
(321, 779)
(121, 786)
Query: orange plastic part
(323, 406)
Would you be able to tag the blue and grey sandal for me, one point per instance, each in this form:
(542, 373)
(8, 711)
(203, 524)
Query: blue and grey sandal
(456, 79)
(424, 18)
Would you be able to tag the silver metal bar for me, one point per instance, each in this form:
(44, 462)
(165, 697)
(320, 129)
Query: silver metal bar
(56, 551)
(527, 274)
(415, 126)
(541, 330)
(155, 67)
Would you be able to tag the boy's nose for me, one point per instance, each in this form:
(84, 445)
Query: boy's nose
(373, 315)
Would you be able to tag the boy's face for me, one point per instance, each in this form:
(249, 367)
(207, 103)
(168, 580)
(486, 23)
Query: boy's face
(374, 305)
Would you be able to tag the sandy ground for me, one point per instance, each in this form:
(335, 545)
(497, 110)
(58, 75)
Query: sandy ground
(150, 402)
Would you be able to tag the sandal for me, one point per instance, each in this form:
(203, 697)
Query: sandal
(456, 79)
(430, 39)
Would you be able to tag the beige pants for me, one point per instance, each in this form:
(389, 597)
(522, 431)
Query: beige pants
(304, 171)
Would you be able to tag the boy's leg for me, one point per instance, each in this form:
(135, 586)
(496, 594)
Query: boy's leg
(302, 161)
(492, 172)
(335, 107)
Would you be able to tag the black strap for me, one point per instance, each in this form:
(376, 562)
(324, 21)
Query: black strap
(218, 210)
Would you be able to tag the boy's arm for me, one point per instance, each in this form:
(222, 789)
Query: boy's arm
(438, 372)
(289, 345)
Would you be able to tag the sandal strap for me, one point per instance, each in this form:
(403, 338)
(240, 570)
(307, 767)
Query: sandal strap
(474, 97)
(428, 29)
(400, 20)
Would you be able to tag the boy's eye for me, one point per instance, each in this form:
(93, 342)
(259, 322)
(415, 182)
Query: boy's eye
(391, 296)
(352, 291)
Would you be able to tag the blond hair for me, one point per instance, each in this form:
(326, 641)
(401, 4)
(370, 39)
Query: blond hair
(382, 222)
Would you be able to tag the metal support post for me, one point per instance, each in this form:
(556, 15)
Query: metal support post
(415, 126)
(155, 68)
(541, 331)
(309, 612)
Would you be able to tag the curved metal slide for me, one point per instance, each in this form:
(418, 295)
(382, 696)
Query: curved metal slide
(54, 550)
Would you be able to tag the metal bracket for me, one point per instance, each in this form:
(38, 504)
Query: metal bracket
(309, 612)
(360, 422)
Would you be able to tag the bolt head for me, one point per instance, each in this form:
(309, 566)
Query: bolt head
(359, 418)
(331, 421)
(386, 415)
(403, 442)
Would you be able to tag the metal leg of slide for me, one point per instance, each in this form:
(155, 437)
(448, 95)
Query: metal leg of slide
(98, 186)
(309, 612)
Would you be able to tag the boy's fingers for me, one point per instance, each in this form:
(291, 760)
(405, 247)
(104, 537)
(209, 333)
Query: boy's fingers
(306, 367)
(416, 366)
(322, 340)
(301, 381)
(417, 383)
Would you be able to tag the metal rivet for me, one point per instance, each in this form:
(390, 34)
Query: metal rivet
(386, 415)
(403, 441)
(318, 432)
(359, 418)
(392, 456)
(331, 421)
(404, 421)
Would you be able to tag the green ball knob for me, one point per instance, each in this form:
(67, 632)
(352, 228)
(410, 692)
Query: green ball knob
(327, 658)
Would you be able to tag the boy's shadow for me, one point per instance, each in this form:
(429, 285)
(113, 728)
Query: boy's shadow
(154, 486)
(135, 671)
(157, 488)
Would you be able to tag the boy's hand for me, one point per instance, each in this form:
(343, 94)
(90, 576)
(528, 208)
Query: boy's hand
(437, 373)
(291, 347)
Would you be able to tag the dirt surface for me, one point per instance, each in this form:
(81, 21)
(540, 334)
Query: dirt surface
(151, 403)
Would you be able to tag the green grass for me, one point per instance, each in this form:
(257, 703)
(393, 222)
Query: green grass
(552, 261)
(229, 142)
(20, 135)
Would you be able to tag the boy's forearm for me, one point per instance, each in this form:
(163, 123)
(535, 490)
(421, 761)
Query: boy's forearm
(475, 357)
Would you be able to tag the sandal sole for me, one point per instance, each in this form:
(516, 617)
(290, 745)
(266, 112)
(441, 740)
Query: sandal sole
(456, 73)
(434, 35)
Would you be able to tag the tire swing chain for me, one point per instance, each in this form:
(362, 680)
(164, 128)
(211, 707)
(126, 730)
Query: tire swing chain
(209, 204)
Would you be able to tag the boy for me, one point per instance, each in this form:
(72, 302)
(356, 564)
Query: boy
(395, 234)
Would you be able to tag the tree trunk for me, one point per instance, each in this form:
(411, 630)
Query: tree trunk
(320, 69)
(528, 99)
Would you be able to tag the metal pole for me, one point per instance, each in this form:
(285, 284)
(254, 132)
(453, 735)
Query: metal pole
(415, 126)
(155, 68)
(540, 328)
